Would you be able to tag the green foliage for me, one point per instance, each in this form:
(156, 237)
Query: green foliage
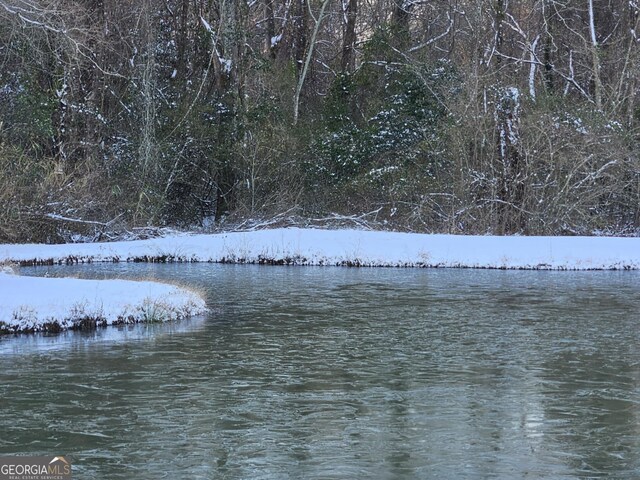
(27, 111)
(378, 119)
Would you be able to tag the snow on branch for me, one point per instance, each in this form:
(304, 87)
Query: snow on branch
(22, 14)
(436, 38)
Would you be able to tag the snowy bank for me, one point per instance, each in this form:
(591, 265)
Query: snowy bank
(352, 248)
(33, 304)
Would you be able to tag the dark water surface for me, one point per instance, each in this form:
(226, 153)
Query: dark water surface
(321, 373)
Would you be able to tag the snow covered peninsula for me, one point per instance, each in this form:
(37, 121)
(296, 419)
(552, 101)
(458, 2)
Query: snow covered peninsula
(34, 304)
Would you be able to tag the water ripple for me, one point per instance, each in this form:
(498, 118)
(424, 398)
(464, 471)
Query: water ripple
(325, 373)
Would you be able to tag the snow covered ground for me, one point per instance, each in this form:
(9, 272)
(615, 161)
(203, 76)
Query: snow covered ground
(351, 247)
(29, 303)
(32, 304)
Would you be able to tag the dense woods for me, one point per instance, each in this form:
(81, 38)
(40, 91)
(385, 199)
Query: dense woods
(484, 116)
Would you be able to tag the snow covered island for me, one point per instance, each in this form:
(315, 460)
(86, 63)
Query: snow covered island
(35, 304)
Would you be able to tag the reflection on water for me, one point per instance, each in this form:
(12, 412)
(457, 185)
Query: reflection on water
(342, 373)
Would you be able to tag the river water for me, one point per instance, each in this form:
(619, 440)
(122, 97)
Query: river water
(322, 373)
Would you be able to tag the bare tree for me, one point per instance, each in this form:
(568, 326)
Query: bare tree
(307, 61)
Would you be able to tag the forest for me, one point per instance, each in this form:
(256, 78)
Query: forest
(455, 116)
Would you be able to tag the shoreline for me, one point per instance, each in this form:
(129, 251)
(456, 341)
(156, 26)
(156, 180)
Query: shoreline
(351, 248)
(37, 304)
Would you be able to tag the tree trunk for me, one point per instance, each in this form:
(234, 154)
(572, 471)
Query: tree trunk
(510, 194)
(349, 39)
(400, 17)
(510, 184)
(307, 62)
(595, 58)
(270, 42)
(300, 21)
(147, 142)
(182, 41)
(499, 34)
(230, 68)
(547, 48)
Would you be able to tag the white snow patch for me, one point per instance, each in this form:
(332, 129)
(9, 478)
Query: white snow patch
(28, 303)
(226, 64)
(206, 25)
(352, 247)
(275, 40)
